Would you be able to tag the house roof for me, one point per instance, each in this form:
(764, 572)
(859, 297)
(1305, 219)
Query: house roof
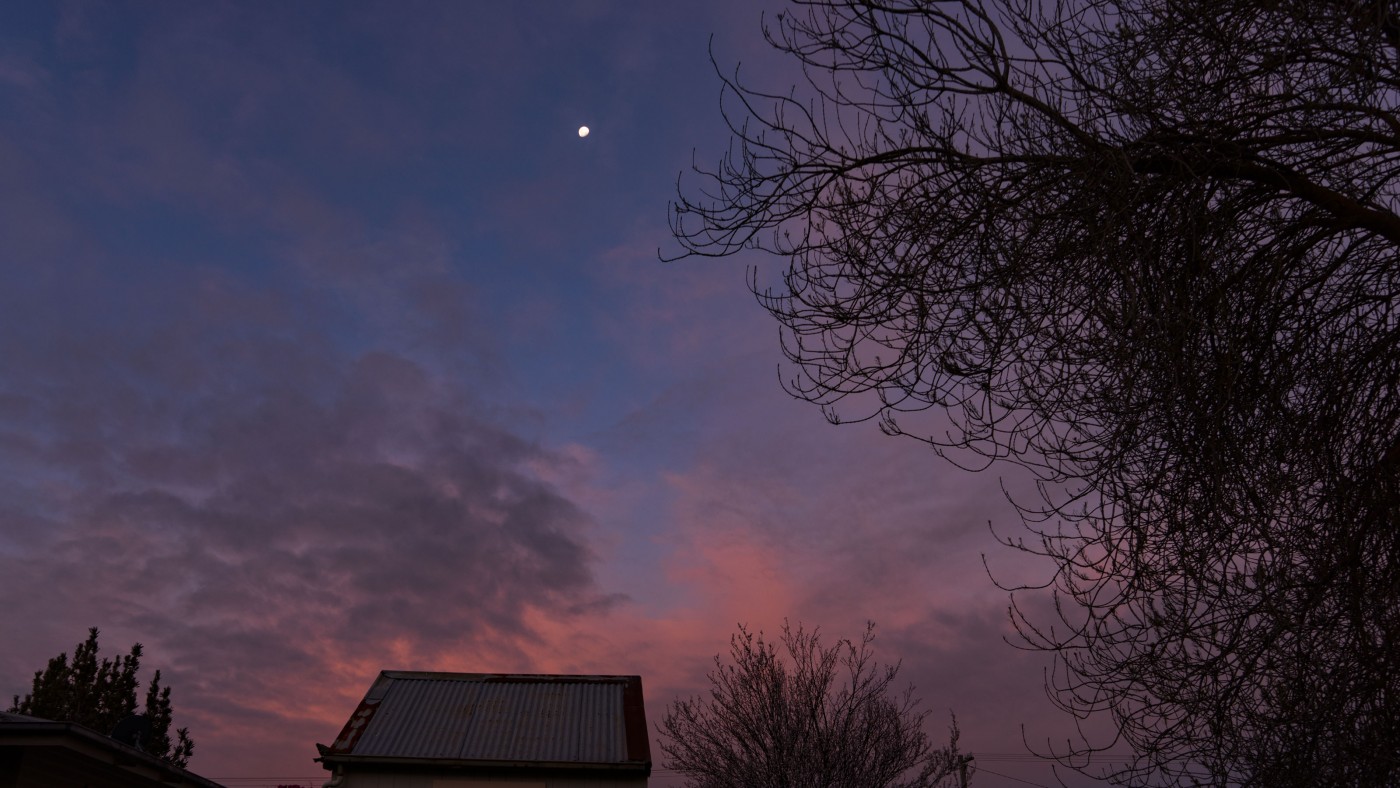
(492, 719)
(72, 749)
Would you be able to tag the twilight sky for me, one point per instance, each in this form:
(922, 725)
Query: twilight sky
(327, 346)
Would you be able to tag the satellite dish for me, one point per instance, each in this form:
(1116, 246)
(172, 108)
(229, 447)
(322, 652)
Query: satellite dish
(132, 730)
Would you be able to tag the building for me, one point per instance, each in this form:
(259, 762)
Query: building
(474, 730)
(39, 753)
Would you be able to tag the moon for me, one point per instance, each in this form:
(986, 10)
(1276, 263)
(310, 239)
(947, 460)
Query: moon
(583, 131)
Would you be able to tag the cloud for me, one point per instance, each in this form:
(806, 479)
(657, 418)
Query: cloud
(274, 517)
(319, 355)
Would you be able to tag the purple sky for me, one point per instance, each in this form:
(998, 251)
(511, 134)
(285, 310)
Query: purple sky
(327, 346)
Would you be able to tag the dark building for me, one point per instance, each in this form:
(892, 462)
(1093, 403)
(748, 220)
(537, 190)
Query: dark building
(39, 753)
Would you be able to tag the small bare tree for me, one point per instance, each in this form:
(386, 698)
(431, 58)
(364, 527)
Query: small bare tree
(806, 716)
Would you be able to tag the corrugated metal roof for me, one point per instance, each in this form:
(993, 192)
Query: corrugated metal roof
(538, 719)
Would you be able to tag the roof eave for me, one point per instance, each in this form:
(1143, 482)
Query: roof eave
(329, 761)
(80, 738)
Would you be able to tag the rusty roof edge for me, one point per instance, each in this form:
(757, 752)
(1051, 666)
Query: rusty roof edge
(634, 716)
(380, 685)
(359, 719)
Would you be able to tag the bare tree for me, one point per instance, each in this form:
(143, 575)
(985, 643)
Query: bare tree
(806, 716)
(1146, 249)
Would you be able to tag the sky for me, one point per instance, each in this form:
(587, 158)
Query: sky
(328, 346)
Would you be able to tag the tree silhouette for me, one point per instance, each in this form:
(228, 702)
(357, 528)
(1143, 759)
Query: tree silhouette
(100, 695)
(1147, 250)
(806, 716)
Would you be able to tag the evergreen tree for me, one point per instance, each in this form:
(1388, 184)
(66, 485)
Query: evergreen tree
(98, 695)
(158, 711)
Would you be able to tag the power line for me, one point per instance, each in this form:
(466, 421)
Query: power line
(981, 770)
